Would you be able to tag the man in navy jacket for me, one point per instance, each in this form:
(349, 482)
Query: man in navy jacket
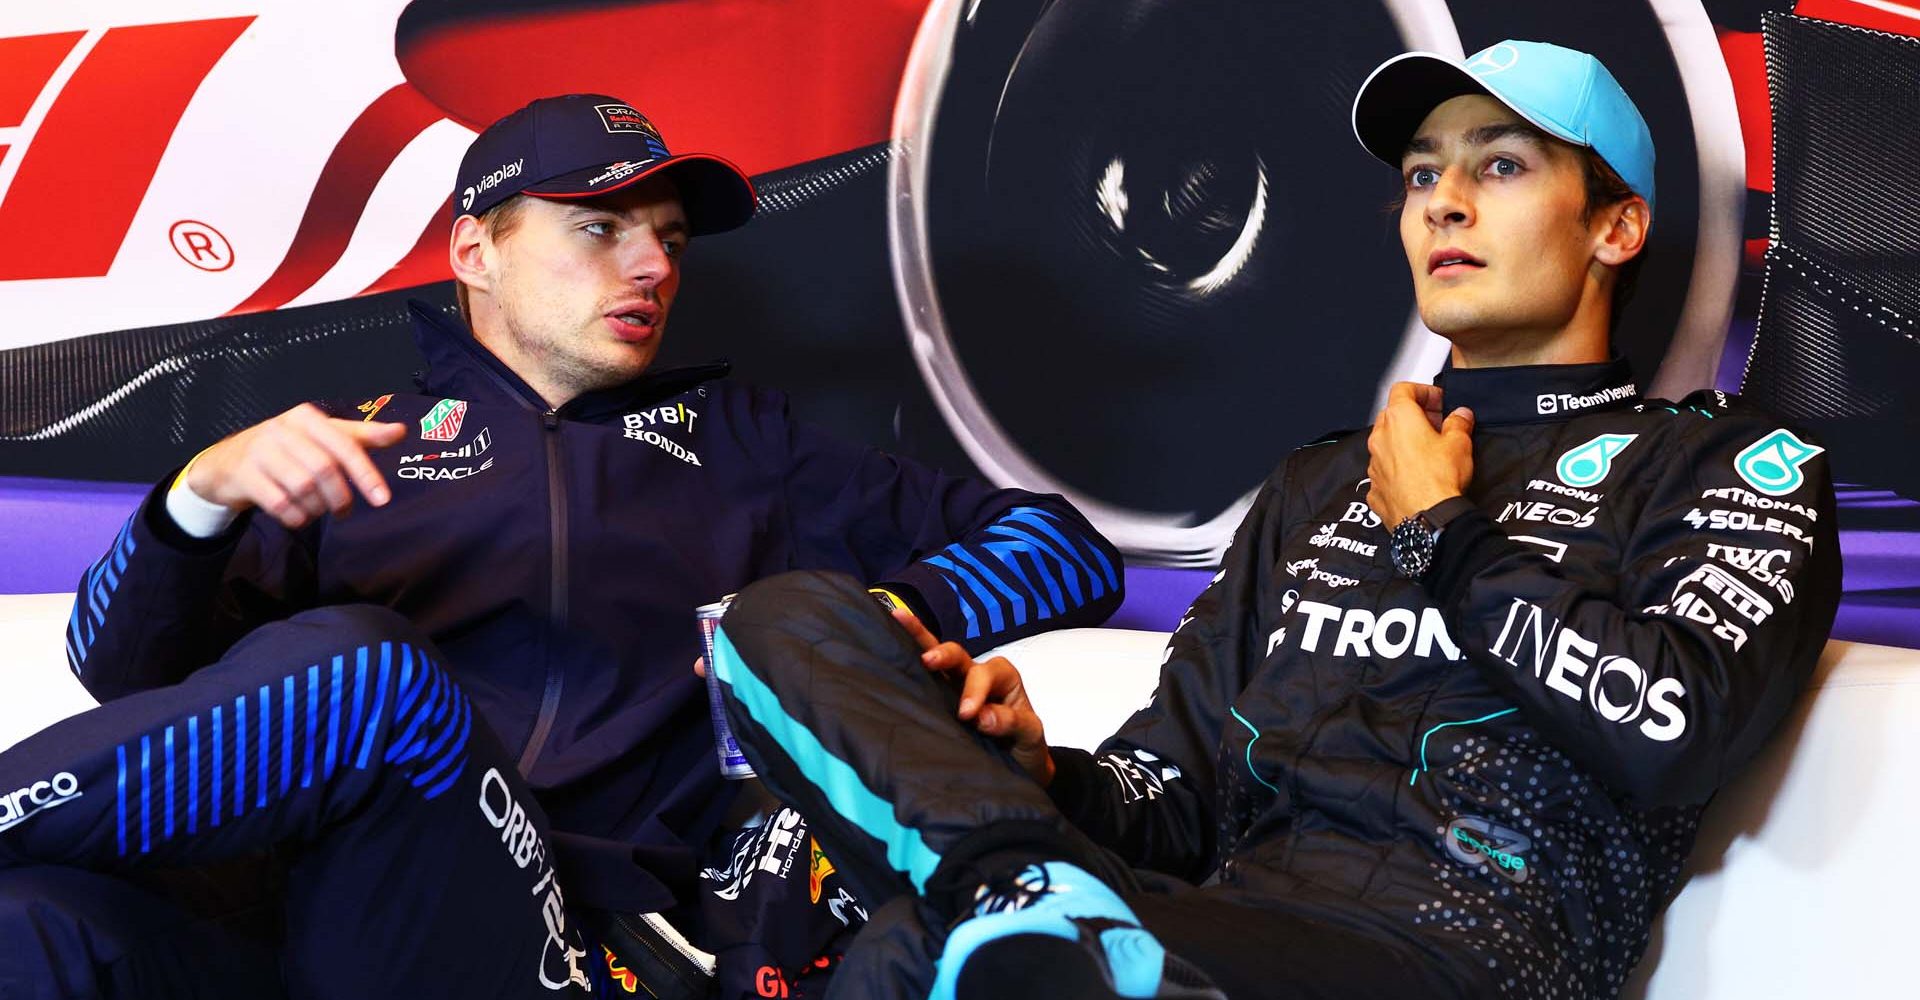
(460, 715)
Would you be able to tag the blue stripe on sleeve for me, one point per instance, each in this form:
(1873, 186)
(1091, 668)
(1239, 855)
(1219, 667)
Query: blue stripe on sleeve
(960, 601)
(995, 620)
(1009, 554)
(1017, 603)
(1039, 519)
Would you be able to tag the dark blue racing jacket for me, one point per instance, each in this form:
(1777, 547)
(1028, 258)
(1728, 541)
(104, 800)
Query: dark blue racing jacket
(556, 558)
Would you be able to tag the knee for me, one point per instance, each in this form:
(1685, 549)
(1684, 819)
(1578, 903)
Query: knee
(796, 618)
(338, 630)
(807, 601)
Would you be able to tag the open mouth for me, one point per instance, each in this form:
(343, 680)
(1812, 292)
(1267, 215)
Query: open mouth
(634, 323)
(1443, 263)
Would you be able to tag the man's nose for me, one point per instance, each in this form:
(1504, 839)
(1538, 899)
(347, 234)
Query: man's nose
(1451, 202)
(644, 259)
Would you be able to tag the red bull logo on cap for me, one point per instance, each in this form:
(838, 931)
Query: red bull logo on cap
(621, 118)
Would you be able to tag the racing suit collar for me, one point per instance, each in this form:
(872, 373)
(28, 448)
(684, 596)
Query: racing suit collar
(458, 367)
(1530, 394)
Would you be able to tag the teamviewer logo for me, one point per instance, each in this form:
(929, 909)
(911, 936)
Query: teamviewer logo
(1547, 402)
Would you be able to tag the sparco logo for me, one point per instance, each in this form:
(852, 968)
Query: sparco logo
(1564, 659)
(23, 804)
(1560, 402)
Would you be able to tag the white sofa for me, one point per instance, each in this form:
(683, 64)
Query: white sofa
(1798, 886)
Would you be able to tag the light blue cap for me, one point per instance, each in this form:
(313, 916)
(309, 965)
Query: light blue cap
(1567, 94)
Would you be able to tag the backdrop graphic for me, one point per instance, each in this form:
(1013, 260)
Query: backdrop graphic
(1121, 249)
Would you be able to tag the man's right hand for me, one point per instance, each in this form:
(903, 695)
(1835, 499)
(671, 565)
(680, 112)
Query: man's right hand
(991, 697)
(296, 467)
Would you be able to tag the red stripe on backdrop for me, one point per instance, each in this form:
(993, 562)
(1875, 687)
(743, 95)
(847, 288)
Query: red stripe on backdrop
(1888, 18)
(426, 263)
(25, 66)
(90, 162)
(764, 83)
(1747, 67)
(357, 163)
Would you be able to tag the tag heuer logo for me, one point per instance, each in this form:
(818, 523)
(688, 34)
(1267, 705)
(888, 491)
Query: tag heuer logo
(442, 423)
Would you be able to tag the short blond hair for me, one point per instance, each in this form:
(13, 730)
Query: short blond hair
(499, 222)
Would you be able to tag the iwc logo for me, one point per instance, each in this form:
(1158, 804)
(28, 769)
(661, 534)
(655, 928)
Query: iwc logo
(1589, 464)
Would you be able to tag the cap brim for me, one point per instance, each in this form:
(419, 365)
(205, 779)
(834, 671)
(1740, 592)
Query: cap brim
(1399, 94)
(716, 194)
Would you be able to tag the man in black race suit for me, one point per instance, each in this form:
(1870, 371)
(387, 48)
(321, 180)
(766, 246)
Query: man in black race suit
(1443, 724)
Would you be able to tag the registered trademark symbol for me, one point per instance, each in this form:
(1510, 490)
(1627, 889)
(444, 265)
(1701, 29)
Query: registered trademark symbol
(201, 245)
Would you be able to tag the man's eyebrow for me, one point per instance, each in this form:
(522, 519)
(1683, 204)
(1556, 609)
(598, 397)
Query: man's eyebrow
(1485, 135)
(677, 227)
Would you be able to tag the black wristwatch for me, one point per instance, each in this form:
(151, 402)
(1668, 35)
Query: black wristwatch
(1414, 540)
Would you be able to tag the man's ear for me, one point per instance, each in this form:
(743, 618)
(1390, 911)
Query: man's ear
(1621, 231)
(470, 253)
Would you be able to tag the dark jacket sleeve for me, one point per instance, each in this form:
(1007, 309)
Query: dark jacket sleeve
(1148, 793)
(1725, 599)
(161, 603)
(981, 566)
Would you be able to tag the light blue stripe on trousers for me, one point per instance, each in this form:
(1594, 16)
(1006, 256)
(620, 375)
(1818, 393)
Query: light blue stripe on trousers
(907, 851)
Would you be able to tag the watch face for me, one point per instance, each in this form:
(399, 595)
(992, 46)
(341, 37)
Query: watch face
(1412, 546)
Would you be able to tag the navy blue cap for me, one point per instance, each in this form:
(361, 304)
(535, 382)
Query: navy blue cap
(582, 145)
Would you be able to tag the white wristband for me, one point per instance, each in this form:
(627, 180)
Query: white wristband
(195, 514)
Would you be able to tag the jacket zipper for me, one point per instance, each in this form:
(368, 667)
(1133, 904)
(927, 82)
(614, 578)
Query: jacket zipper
(557, 544)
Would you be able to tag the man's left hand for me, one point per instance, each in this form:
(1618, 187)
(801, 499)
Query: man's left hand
(1416, 458)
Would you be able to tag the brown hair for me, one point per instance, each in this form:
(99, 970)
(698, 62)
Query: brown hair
(499, 222)
(1605, 189)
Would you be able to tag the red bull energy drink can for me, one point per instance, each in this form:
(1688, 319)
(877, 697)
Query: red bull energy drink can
(733, 763)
